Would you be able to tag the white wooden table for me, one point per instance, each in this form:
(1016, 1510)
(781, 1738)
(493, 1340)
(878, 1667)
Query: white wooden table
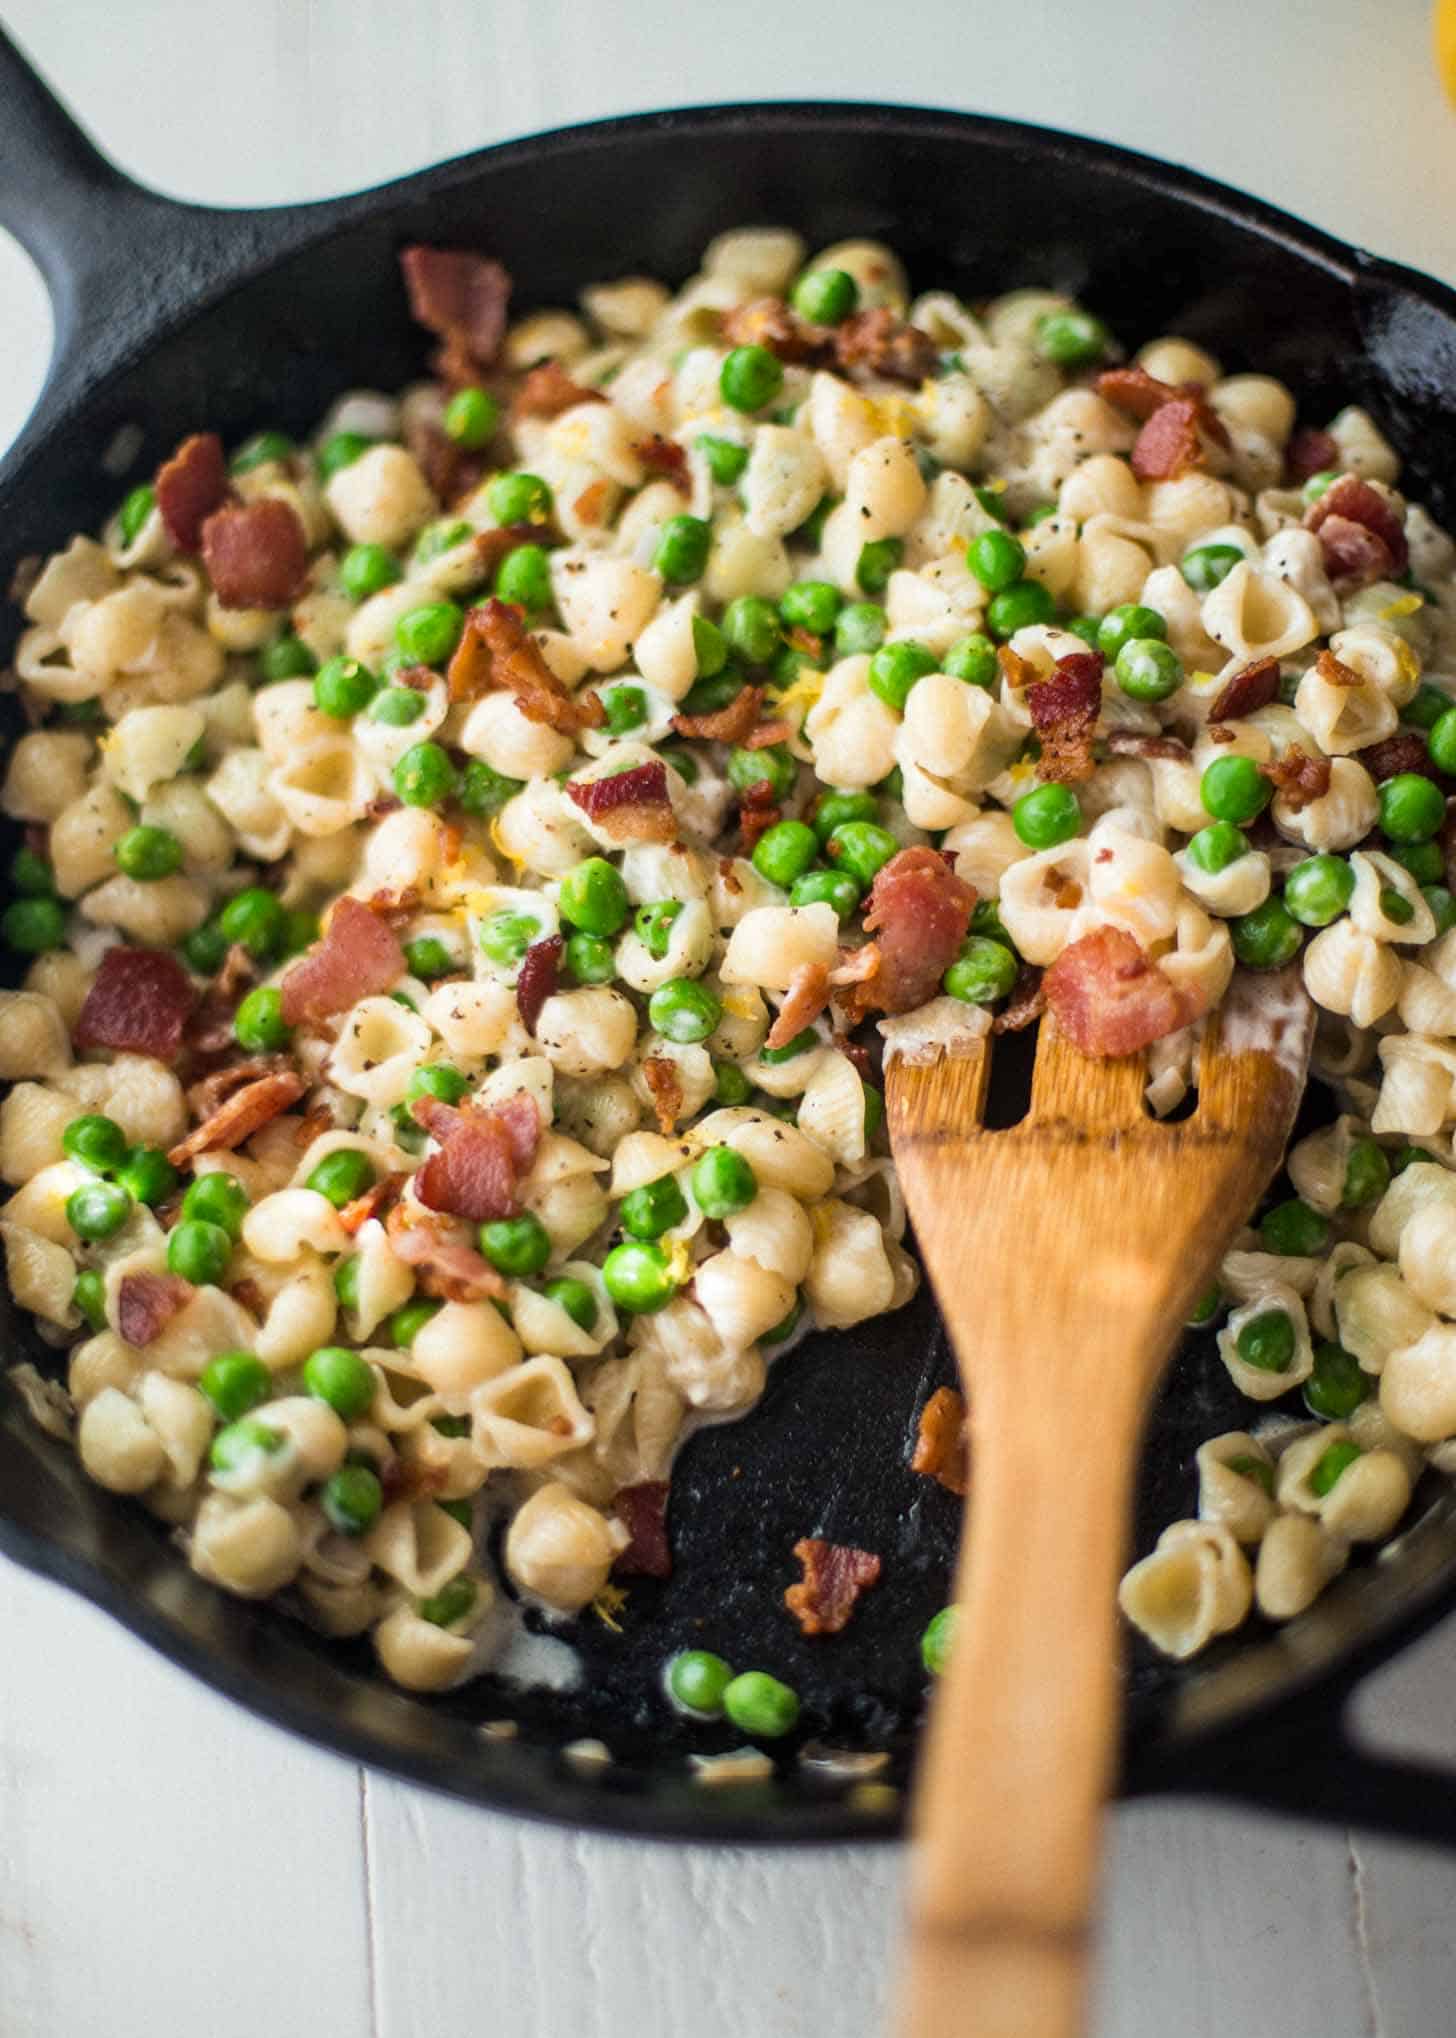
(166, 1862)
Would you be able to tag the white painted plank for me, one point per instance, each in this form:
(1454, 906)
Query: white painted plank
(166, 1861)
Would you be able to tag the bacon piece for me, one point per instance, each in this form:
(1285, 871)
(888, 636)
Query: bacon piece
(767, 734)
(885, 345)
(1129, 743)
(451, 470)
(1406, 751)
(245, 1112)
(496, 649)
(395, 906)
(256, 554)
(138, 1004)
(1026, 1003)
(1309, 451)
(1360, 533)
(1064, 709)
(493, 545)
(724, 725)
(1133, 390)
(856, 1053)
(459, 296)
(482, 1155)
(664, 1080)
(835, 1575)
(628, 806)
(591, 504)
(1299, 779)
(210, 1028)
(642, 1510)
(1170, 443)
(190, 486)
(1252, 687)
(358, 957)
(213, 1091)
(540, 968)
(757, 812)
(376, 1199)
(447, 1266)
(919, 911)
(665, 457)
(1017, 671)
(146, 1304)
(805, 999)
(942, 1442)
(1109, 998)
(1334, 672)
(769, 322)
(547, 390)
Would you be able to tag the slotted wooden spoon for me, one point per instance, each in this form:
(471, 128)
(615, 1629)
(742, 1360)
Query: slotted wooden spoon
(1066, 1252)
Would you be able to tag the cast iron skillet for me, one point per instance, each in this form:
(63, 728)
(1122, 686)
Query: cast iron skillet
(171, 318)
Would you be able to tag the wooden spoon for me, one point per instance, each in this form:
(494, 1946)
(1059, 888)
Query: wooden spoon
(1066, 1253)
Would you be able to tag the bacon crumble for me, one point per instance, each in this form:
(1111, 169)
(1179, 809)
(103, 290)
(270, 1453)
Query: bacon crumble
(804, 1000)
(732, 724)
(497, 650)
(358, 957)
(667, 458)
(190, 486)
(462, 298)
(1308, 453)
(1026, 1003)
(628, 806)
(539, 973)
(481, 1157)
(1252, 687)
(942, 1442)
(1297, 779)
(1361, 535)
(836, 1575)
(447, 1267)
(664, 1081)
(256, 554)
(147, 1302)
(1064, 708)
(642, 1510)
(547, 391)
(245, 1112)
(1109, 998)
(918, 910)
(139, 1003)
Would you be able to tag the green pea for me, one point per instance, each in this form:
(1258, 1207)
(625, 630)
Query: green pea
(997, 559)
(1266, 1342)
(255, 919)
(148, 854)
(1206, 1307)
(1256, 1470)
(877, 561)
(575, 1298)
(238, 1448)
(1267, 938)
(985, 919)
(1408, 1157)
(199, 1252)
(147, 1175)
(810, 605)
(262, 450)
(1332, 1465)
(1126, 623)
(450, 1605)
(351, 1499)
(287, 657)
(524, 577)
(1294, 1229)
(1425, 707)
(750, 378)
(725, 457)
(681, 761)
(1234, 789)
(652, 1209)
(594, 897)
(1337, 1385)
(137, 505)
(437, 1079)
(1049, 815)
(427, 635)
(408, 1321)
(1042, 514)
(730, 1085)
(653, 926)
(785, 851)
(96, 1141)
(836, 888)
(1318, 890)
(31, 876)
(519, 498)
(773, 767)
(973, 659)
(1018, 607)
(638, 1277)
(992, 499)
(590, 958)
(1072, 338)
(1443, 906)
(683, 1010)
(825, 297)
(342, 1176)
(1441, 741)
(483, 790)
(833, 809)
(424, 776)
(786, 1325)
(1319, 484)
(346, 1282)
(32, 926)
(1214, 848)
(368, 569)
(760, 1705)
(519, 1246)
(1412, 808)
(983, 972)
(896, 669)
(710, 648)
(342, 687)
(723, 1182)
(791, 1049)
(862, 848)
(1147, 669)
(718, 690)
(341, 1378)
(859, 627)
(258, 1023)
(205, 949)
(217, 1198)
(682, 549)
(428, 957)
(89, 1296)
(1396, 906)
(1206, 565)
(471, 418)
(97, 1210)
(339, 451)
(751, 627)
(935, 1643)
(1423, 860)
(1367, 1175)
(506, 936)
(1085, 627)
(397, 706)
(626, 708)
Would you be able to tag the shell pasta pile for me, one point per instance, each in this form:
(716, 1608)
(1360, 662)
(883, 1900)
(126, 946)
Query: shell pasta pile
(475, 862)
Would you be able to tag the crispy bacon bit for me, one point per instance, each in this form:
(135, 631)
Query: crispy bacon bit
(885, 345)
(1216, 732)
(732, 724)
(667, 458)
(856, 1053)
(1129, 743)
(767, 734)
(1252, 687)
(138, 1004)
(459, 296)
(1406, 751)
(1017, 671)
(1298, 779)
(1133, 390)
(1171, 442)
(800, 639)
(591, 505)
(1026, 1003)
(256, 554)
(395, 906)
(769, 322)
(805, 999)
(146, 1304)
(496, 649)
(376, 1199)
(1334, 671)
(447, 1266)
(1109, 998)
(942, 1442)
(856, 965)
(1360, 533)
(245, 1112)
(189, 488)
(758, 810)
(482, 1155)
(834, 1577)
(248, 1295)
(358, 957)
(451, 470)
(540, 967)
(919, 911)
(664, 1080)
(1309, 452)
(628, 806)
(1064, 709)
(493, 545)
(547, 390)
(213, 1091)
(642, 1510)
(210, 1028)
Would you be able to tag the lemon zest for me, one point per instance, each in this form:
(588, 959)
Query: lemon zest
(804, 692)
(1403, 605)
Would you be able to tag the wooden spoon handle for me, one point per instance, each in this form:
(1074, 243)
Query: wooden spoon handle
(1023, 1736)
